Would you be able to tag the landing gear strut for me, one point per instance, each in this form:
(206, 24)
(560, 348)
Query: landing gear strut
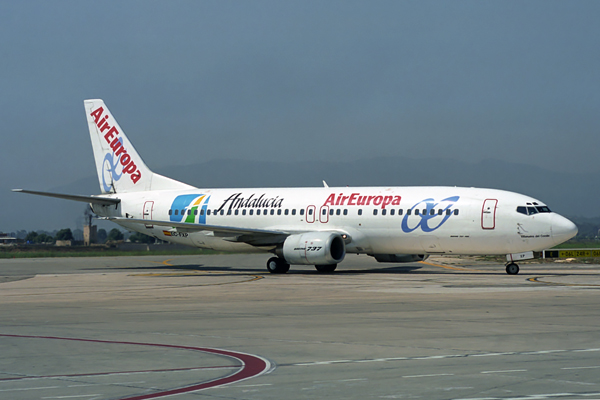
(512, 268)
(277, 265)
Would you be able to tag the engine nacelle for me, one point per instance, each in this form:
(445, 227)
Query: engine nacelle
(399, 258)
(314, 248)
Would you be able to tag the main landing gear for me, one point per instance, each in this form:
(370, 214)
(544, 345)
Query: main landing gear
(512, 268)
(326, 268)
(277, 265)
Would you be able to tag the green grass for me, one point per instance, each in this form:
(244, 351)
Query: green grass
(587, 244)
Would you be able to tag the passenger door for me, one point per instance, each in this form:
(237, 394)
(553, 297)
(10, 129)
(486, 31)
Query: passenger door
(488, 214)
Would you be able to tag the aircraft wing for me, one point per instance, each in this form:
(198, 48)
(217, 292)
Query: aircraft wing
(256, 237)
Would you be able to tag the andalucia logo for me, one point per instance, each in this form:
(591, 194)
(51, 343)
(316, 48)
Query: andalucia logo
(190, 208)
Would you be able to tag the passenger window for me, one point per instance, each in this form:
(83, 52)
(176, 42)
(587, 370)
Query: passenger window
(408, 211)
(279, 212)
(432, 212)
(324, 212)
(416, 211)
(294, 212)
(207, 212)
(440, 211)
(310, 212)
(243, 212)
(286, 212)
(201, 212)
(258, 212)
(302, 212)
(383, 212)
(196, 212)
(272, 212)
(375, 212)
(360, 211)
(392, 211)
(189, 212)
(424, 211)
(456, 212)
(338, 212)
(228, 212)
(345, 211)
(400, 212)
(222, 212)
(237, 212)
(331, 212)
(251, 211)
(448, 212)
(170, 212)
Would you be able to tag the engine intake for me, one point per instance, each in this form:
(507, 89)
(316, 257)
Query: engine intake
(314, 248)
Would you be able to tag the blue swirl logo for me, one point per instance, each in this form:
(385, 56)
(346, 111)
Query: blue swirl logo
(428, 221)
(110, 165)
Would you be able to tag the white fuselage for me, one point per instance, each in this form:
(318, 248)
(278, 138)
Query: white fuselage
(378, 220)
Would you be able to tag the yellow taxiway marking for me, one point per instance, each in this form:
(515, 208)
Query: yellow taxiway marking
(449, 267)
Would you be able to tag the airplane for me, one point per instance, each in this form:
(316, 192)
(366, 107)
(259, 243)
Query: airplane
(313, 226)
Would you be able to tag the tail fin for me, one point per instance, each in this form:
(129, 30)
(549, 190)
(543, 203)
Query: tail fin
(119, 166)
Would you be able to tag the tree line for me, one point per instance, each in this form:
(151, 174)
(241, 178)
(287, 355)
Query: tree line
(114, 235)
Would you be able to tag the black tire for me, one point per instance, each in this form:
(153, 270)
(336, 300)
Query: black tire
(277, 265)
(326, 268)
(512, 269)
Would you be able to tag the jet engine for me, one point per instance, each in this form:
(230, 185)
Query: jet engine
(314, 248)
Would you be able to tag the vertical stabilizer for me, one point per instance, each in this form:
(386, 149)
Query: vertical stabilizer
(119, 166)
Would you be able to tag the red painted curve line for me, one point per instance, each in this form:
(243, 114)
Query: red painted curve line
(252, 366)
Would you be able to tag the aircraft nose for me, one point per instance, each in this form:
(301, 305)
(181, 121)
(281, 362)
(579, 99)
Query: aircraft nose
(562, 229)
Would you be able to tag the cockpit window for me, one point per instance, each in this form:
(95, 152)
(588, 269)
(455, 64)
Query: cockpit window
(531, 210)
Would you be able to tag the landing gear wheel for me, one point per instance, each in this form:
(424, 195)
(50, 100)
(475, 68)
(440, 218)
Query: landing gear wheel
(512, 269)
(277, 265)
(326, 268)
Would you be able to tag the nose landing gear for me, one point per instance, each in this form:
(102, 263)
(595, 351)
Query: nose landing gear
(512, 268)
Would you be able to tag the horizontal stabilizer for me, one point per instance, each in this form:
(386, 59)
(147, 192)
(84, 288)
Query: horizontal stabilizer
(104, 201)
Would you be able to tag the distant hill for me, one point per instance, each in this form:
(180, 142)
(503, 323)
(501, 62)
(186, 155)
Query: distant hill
(570, 194)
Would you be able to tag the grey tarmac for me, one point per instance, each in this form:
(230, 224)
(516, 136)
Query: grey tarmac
(446, 328)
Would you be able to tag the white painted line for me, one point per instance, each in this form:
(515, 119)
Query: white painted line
(597, 366)
(33, 388)
(260, 384)
(508, 353)
(543, 352)
(503, 372)
(426, 376)
(72, 397)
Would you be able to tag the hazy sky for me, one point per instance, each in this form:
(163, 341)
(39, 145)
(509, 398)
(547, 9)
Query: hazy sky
(294, 80)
